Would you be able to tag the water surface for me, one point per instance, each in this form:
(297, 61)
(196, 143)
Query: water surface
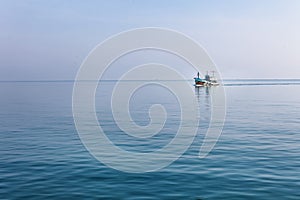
(256, 157)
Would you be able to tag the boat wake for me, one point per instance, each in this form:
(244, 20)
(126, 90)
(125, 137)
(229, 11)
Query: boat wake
(260, 82)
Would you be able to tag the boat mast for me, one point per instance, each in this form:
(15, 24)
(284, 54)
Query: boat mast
(213, 73)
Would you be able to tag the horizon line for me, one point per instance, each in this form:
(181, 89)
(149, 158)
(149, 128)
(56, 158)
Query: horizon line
(110, 80)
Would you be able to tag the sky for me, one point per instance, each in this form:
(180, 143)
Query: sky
(48, 40)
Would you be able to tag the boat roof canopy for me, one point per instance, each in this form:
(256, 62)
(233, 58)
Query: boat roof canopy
(198, 79)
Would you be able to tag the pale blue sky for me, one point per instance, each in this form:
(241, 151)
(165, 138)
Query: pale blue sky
(46, 40)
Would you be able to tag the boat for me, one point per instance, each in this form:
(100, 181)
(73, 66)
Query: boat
(199, 82)
(209, 80)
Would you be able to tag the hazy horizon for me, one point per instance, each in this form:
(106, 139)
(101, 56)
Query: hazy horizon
(48, 40)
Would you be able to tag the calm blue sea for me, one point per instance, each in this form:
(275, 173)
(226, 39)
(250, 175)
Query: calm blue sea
(256, 157)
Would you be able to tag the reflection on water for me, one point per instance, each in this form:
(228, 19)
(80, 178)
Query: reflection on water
(204, 101)
(203, 93)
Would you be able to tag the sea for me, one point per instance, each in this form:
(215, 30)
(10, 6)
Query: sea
(257, 155)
